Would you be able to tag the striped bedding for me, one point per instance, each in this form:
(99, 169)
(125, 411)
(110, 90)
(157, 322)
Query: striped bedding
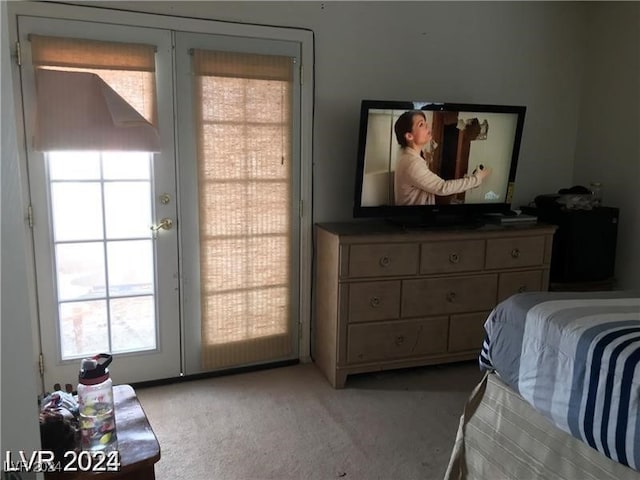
(575, 357)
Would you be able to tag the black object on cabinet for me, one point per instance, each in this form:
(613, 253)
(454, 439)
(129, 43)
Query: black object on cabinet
(584, 245)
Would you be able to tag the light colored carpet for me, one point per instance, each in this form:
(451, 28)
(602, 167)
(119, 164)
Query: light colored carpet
(288, 423)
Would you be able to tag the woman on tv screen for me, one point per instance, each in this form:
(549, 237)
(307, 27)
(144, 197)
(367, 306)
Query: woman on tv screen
(415, 183)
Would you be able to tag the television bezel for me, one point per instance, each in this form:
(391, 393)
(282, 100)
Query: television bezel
(430, 211)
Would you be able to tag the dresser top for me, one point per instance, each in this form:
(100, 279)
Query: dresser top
(381, 228)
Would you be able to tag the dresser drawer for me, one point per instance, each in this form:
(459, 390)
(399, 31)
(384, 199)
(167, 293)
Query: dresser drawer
(514, 252)
(445, 257)
(380, 260)
(466, 331)
(448, 295)
(374, 301)
(518, 282)
(395, 340)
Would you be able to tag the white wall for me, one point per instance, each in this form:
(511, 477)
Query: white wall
(608, 142)
(19, 408)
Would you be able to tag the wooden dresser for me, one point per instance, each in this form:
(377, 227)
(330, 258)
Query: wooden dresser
(388, 298)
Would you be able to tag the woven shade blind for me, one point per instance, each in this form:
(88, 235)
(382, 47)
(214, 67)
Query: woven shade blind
(244, 125)
(72, 114)
(83, 53)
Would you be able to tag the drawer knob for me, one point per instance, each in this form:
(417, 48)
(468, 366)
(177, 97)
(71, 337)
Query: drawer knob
(399, 340)
(374, 302)
(451, 297)
(515, 253)
(523, 288)
(454, 258)
(385, 261)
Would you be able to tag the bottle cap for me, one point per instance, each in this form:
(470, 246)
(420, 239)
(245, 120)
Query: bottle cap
(92, 371)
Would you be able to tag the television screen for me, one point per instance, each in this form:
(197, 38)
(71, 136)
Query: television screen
(438, 171)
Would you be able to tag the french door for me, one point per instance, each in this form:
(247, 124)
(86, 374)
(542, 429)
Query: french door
(240, 196)
(144, 254)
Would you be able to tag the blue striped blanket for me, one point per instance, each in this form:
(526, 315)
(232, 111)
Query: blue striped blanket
(576, 358)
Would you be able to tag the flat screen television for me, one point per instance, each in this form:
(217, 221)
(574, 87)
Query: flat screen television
(465, 137)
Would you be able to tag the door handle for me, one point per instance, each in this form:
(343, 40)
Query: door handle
(165, 224)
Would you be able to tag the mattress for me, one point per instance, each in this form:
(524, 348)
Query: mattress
(575, 358)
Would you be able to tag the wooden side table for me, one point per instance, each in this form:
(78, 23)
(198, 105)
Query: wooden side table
(138, 446)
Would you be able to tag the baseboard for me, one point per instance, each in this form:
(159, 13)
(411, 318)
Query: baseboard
(218, 373)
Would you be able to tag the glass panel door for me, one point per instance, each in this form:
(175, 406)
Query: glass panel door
(106, 266)
(238, 121)
(170, 285)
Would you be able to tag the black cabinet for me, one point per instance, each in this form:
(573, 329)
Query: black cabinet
(584, 245)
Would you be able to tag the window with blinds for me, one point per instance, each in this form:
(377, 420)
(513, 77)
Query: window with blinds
(244, 137)
(99, 190)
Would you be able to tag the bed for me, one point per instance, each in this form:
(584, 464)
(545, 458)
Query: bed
(560, 397)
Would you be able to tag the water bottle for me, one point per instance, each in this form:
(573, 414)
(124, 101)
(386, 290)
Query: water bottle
(95, 405)
(596, 193)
